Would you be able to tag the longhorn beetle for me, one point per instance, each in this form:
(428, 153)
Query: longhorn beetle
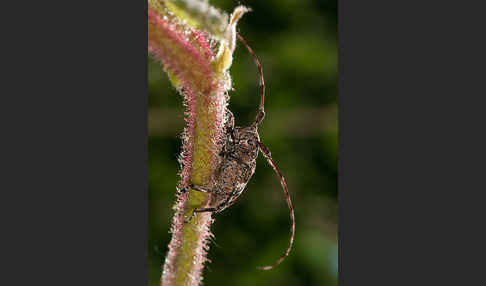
(238, 163)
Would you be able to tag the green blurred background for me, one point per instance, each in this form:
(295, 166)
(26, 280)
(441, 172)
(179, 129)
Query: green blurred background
(296, 42)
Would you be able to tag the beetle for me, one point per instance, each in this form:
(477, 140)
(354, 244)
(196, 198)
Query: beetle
(238, 162)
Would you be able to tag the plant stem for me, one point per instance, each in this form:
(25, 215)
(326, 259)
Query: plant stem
(203, 80)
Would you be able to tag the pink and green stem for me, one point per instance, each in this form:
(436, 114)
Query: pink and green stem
(186, 57)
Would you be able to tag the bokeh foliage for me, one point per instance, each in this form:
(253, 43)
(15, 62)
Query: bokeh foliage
(296, 41)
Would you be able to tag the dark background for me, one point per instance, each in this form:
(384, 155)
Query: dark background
(296, 42)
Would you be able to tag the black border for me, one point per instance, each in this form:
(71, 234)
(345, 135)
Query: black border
(74, 143)
(409, 128)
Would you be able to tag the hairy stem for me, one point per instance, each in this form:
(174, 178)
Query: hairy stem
(201, 76)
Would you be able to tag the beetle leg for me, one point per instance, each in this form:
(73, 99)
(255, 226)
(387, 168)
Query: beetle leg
(199, 189)
(200, 211)
(219, 208)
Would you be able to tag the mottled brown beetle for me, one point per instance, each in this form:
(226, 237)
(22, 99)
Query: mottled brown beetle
(238, 163)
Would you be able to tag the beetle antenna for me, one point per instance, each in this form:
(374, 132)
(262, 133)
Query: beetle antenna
(268, 156)
(261, 111)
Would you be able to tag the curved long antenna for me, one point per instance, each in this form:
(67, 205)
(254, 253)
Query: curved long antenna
(261, 111)
(268, 156)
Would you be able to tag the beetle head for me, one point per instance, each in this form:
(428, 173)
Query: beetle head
(246, 147)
